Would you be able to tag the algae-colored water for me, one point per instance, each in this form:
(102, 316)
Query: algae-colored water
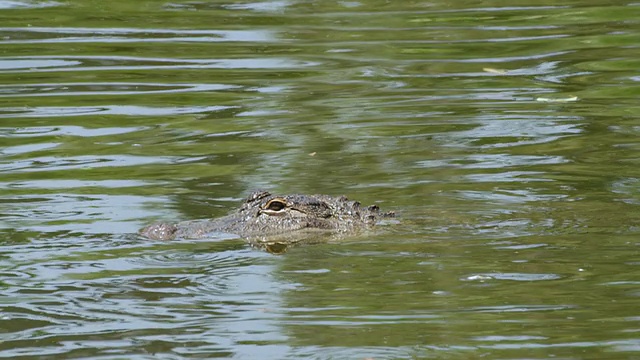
(505, 135)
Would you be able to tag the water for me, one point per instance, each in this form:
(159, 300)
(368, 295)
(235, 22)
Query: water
(504, 134)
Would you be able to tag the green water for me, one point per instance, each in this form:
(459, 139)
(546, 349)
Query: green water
(505, 135)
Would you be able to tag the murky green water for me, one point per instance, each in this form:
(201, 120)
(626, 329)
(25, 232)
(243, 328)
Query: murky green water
(504, 134)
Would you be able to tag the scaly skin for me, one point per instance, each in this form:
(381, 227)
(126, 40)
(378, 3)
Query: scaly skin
(263, 215)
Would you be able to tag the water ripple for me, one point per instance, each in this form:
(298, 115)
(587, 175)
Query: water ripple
(88, 213)
(28, 64)
(269, 6)
(511, 276)
(519, 308)
(112, 63)
(76, 184)
(493, 161)
(509, 197)
(55, 163)
(80, 131)
(75, 34)
(76, 89)
(130, 110)
(27, 4)
(517, 132)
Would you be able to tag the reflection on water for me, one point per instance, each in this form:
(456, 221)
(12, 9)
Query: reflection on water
(86, 89)
(102, 110)
(30, 35)
(502, 134)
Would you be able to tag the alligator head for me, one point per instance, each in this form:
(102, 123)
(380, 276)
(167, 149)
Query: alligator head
(264, 215)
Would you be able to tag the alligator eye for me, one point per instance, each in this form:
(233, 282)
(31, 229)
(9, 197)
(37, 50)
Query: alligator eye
(275, 205)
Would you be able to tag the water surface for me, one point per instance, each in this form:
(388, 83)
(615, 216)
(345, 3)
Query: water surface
(505, 135)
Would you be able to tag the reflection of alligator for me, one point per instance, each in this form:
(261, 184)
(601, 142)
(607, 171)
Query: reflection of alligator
(265, 215)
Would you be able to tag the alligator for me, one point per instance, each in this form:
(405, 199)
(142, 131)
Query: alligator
(276, 221)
